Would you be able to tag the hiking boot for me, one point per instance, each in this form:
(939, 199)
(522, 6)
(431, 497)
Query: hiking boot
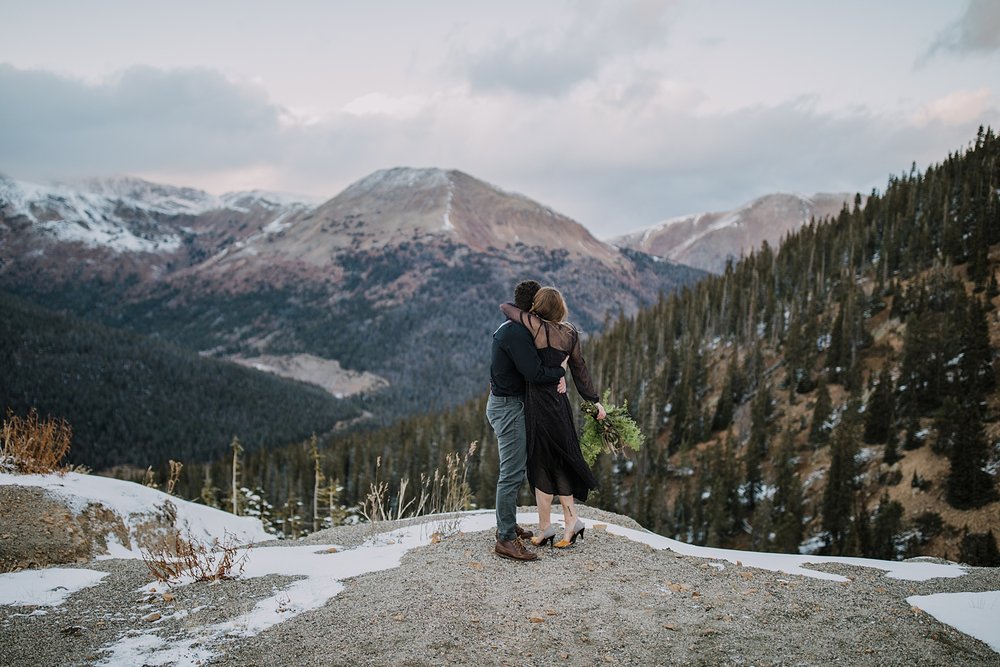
(514, 550)
(523, 533)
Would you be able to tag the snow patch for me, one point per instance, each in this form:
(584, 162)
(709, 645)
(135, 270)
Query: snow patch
(45, 588)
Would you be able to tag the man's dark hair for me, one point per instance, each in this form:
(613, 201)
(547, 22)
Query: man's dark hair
(524, 293)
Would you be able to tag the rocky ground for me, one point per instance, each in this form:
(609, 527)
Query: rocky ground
(607, 600)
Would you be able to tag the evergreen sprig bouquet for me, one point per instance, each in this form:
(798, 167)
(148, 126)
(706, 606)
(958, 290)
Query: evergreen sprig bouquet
(612, 434)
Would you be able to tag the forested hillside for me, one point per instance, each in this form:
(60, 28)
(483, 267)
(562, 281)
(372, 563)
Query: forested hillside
(136, 400)
(838, 392)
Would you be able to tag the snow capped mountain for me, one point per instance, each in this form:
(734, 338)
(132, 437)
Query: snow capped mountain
(405, 203)
(707, 240)
(125, 215)
(401, 252)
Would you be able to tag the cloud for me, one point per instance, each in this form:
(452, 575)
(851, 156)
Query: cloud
(552, 60)
(959, 107)
(142, 119)
(978, 31)
(618, 151)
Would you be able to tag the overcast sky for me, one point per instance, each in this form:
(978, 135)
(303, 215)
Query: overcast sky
(618, 113)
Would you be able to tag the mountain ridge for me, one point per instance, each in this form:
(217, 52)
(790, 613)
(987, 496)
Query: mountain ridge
(378, 279)
(708, 240)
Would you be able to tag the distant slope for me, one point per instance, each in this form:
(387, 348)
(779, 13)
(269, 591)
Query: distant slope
(136, 400)
(399, 275)
(707, 240)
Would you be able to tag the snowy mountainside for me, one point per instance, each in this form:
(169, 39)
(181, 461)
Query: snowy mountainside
(401, 253)
(125, 214)
(707, 240)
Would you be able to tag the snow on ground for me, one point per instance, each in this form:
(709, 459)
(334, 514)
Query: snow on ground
(132, 502)
(45, 588)
(322, 569)
(975, 614)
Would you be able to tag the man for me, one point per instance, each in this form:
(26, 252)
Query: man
(514, 361)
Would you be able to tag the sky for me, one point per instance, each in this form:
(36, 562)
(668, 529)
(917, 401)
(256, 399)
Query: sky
(319, 570)
(618, 113)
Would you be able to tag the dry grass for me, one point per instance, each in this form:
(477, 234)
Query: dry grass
(442, 492)
(32, 445)
(179, 557)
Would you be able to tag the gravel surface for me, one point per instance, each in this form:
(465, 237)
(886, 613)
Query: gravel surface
(607, 600)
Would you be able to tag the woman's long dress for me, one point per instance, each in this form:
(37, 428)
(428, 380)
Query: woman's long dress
(555, 462)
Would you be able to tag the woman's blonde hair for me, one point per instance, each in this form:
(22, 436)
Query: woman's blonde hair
(549, 305)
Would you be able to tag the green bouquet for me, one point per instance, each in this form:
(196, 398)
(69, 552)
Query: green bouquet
(612, 434)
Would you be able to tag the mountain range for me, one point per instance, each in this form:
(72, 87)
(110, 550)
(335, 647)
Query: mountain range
(708, 240)
(396, 280)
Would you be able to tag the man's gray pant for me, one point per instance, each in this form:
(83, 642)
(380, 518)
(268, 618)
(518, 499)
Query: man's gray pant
(506, 416)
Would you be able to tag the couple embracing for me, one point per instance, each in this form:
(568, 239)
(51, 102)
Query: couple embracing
(531, 416)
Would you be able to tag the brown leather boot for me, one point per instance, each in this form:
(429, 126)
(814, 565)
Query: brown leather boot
(514, 550)
(523, 533)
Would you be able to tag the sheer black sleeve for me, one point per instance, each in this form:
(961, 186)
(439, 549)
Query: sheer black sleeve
(581, 375)
(532, 322)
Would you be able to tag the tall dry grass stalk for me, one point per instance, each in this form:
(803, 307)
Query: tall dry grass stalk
(442, 492)
(31, 445)
(175, 474)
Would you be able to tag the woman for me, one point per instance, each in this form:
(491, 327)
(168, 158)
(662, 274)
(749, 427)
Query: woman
(555, 463)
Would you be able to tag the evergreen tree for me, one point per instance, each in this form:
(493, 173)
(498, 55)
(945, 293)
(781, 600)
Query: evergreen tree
(886, 526)
(723, 503)
(839, 494)
(757, 445)
(879, 413)
(979, 549)
(787, 503)
(969, 485)
(819, 432)
(978, 376)
(728, 398)
(891, 453)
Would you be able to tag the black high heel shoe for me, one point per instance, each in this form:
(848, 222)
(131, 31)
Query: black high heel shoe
(578, 529)
(547, 535)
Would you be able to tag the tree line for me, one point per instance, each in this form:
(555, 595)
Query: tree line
(860, 338)
(134, 400)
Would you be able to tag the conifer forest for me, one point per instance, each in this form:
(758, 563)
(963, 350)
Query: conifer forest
(837, 392)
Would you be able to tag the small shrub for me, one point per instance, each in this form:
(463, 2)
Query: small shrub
(919, 482)
(178, 557)
(31, 445)
(929, 524)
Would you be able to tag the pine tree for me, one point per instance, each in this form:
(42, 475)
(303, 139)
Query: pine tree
(914, 434)
(969, 485)
(979, 549)
(879, 413)
(886, 525)
(757, 445)
(819, 432)
(255, 505)
(978, 375)
(839, 494)
(787, 503)
(891, 453)
(723, 503)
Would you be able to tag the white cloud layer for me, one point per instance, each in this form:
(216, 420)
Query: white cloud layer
(618, 114)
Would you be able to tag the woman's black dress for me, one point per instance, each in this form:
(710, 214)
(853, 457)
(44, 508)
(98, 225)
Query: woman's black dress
(555, 462)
